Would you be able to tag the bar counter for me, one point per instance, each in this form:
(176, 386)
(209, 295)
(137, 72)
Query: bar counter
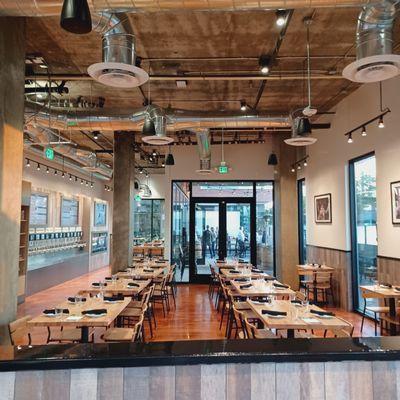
(110, 355)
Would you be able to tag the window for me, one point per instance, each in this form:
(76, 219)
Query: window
(148, 220)
(363, 224)
(69, 212)
(302, 203)
(265, 226)
(38, 209)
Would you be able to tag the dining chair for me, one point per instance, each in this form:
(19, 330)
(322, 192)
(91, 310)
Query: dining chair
(125, 334)
(377, 310)
(160, 295)
(19, 331)
(62, 335)
(255, 333)
(347, 331)
(213, 282)
(323, 283)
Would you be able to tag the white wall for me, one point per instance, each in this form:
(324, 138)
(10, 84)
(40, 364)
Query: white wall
(328, 167)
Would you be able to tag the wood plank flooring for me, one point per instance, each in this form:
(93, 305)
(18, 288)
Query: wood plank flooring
(193, 318)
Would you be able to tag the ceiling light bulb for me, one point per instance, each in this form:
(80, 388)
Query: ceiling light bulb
(299, 166)
(63, 175)
(305, 163)
(163, 165)
(87, 183)
(96, 135)
(363, 131)
(70, 177)
(91, 185)
(81, 181)
(47, 170)
(140, 170)
(154, 153)
(293, 170)
(28, 163)
(264, 62)
(381, 123)
(280, 17)
(350, 139)
(243, 106)
(38, 167)
(265, 70)
(55, 172)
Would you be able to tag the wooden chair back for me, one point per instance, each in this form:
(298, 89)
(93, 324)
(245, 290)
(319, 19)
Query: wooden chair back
(300, 296)
(138, 328)
(323, 277)
(19, 330)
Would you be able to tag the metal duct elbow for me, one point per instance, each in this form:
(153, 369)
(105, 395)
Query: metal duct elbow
(204, 146)
(159, 118)
(374, 44)
(118, 67)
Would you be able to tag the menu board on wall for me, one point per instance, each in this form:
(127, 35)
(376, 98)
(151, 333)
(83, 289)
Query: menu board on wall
(69, 212)
(38, 209)
(100, 213)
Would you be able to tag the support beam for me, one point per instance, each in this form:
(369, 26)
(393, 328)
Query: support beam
(12, 79)
(124, 179)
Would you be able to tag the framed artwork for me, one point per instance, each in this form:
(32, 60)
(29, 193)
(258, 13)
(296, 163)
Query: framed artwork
(395, 190)
(323, 208)
(100, 214)
(69, 212)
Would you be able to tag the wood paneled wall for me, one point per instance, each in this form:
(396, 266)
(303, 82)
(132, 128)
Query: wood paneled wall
(341, 261)
(389, 270)
(355, 380)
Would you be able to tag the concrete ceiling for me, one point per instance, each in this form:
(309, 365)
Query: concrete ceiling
(194, 43)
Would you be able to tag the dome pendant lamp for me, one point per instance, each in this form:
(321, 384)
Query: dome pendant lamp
(149, 128)
(75, 16)
(170, 160)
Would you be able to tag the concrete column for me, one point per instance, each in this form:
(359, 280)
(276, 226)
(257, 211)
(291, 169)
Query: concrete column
(12, 75)
(286, 215)
(124, 178)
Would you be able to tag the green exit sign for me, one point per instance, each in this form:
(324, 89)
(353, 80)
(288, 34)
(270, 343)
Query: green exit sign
(137, 197)
(49, 153)
(223, 169)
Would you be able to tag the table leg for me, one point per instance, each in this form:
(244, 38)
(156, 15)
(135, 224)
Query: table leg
(290, 333)
(85, 334)
(392, 313)
(315, 291)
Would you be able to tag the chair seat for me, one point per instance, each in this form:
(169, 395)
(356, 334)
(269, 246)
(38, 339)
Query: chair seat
(131, 312)
(264, 334)
(119, 335)
(250, 314)
(66, 335)
(241, 305)
(304, 335)
(377, 309)
(135, 304)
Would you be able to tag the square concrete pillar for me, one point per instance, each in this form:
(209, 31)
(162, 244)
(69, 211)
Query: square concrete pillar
(124, 180)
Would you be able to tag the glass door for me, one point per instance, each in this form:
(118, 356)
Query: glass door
(302, 199)
(363, 224)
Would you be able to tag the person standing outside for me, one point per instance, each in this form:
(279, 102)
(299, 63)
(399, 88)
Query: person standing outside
(213, 236)
(240, 241)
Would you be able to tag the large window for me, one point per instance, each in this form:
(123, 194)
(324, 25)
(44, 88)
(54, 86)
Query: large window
(180, 230)
(301, 193)
(39, 209)
(148, 220)
(363, 223)
(265, 226)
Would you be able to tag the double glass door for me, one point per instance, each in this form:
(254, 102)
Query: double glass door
(220, 229)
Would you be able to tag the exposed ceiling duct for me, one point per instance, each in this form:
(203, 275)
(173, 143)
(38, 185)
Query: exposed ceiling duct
(175, 120)
(159, 119)
(87, 159)
(375, 59)
(204, 145)
(48, 8)
(301, 133)
(118, 67)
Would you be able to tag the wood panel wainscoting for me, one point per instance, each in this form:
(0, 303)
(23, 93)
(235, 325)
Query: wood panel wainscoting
(355, 380)
(340, 260)
(388, 270)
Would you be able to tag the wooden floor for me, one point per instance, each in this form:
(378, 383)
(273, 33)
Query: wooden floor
(193, 318)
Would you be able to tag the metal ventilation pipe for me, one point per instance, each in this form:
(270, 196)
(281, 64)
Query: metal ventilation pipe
(87, 159)
(204, 146)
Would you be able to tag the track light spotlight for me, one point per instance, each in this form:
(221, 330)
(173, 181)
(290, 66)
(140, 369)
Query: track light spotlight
(28, 163)
(350, 139)
(243, 105)
(81, 181)
(55, 172)
(70, 177)
(363, 131)
(47, 170)
(293, 170)
(264, 62)
(96, 135)
(140, 170)
(38, 167)
(381, 123)
(154, 154)
(305, 163)
(91, 184)
(75, 16)
(299, 166)
(281, 17)
(63, 175)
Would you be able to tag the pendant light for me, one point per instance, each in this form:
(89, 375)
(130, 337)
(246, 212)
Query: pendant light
(272, 159)
(170, 160)
(149, 128)
(75, 16)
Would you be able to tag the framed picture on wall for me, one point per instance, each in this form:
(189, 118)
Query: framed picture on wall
(395, 190)
(100, 214)
(323, 208)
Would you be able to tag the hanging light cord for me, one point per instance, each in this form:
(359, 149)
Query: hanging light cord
(308, 66)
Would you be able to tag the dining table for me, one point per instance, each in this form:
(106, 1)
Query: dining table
(313, 270)
(230, 273)
(119, 286)
(149, 273)
(390, 293)
(75, 318)
(261, 288)
(298, 317)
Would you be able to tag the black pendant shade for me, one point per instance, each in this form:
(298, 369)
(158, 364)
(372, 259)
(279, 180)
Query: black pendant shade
(170, 160)
(148, 127)
(303, 127)
(75, 16)
(272, 159)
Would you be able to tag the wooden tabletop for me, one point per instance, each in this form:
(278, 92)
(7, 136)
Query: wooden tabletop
(297, 317)
(227, 273)
(380, 292)
(314, 268)
(75, 310)
(141, 273)
(261, 290)
(120, 286)
(151, 264)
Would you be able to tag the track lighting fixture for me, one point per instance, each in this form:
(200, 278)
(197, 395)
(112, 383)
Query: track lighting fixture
(38, 167)
(381, 123)
(81, 181)
(140, 170)
(47, 170)
(28, 163)
(281, 17)
(70, 177)
(75, 16)
(87, 183)
(243, 105)
(96, 135)
(364, 131)
(55, 172)
(350, 139)
(264, 62)
(299, 163)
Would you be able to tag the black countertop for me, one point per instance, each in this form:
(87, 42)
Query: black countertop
(101, 355)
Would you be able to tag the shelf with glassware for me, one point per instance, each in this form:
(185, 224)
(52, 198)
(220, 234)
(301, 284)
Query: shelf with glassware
(99, 242)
